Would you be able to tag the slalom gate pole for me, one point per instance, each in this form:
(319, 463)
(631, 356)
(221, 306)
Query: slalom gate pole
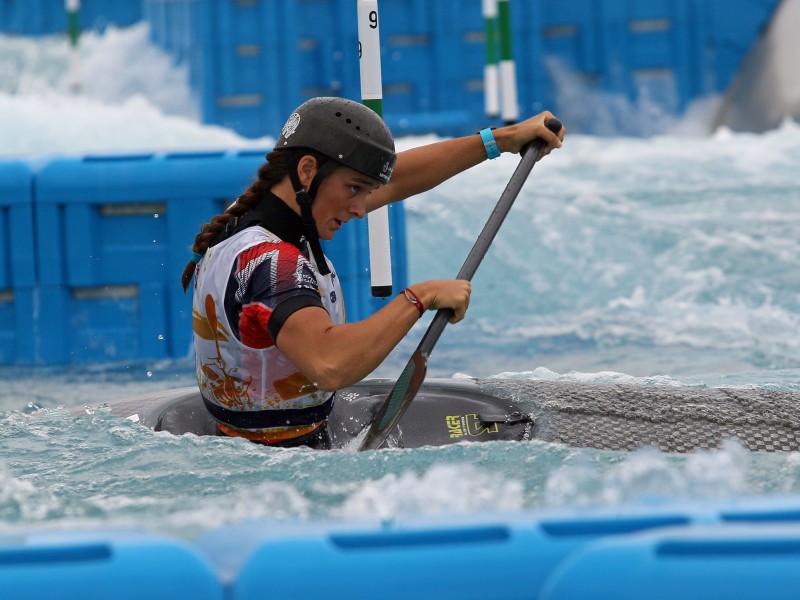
(491, 83)
(74, 29)
(369, 53)
(508, 68)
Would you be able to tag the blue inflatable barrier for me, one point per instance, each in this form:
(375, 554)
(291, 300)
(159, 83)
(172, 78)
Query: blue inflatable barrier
(709, 563)
(705, 550)
(516, 556)
(359, 561)
(476, 557)
(102, 564)
(17, 264)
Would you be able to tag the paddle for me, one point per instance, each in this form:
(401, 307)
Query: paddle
(410, 380)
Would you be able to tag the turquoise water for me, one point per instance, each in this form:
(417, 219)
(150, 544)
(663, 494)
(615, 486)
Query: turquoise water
(660, 261)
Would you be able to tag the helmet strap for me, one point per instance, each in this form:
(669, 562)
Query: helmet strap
(304, 200)
(310, 230)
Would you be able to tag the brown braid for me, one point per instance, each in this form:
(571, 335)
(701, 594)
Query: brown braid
(269, 174)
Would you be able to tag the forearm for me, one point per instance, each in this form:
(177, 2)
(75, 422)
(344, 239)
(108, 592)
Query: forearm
(421, 169)
(336, 356)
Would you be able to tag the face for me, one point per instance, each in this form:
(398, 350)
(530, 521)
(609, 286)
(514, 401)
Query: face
(342, 196)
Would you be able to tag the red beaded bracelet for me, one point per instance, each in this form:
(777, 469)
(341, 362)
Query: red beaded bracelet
(414, 299)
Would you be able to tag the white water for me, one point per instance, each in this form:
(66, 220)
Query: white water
(661, 261)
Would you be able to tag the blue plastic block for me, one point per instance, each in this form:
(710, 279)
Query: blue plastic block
(101, 565)
(113, 237)
(17, 263)
(714, 562)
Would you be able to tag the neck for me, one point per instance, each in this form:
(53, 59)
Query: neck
(283, 190)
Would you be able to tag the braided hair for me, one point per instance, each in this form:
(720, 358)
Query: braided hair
(269, 174)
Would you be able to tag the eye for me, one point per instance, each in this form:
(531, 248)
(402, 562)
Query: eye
(354, 189)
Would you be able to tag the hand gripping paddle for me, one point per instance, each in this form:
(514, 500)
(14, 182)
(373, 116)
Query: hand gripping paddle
(410, 380)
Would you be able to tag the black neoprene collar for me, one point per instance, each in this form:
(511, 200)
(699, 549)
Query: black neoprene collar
(277, 217)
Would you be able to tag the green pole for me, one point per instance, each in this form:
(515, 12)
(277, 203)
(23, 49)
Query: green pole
(369, 52)
(491, 83)
(74, 30)
(508, 69)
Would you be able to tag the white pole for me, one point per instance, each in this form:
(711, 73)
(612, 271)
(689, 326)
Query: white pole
(491, 82)
(369, 52)
(508, 68)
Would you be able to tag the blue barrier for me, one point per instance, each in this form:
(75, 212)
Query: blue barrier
(713, 563)
(712, 550)
(17, 264)
(466, 558)
(102, 564)
(112, 239)
(113, 234)
(510, 556)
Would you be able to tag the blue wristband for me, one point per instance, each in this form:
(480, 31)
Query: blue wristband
(492, 151)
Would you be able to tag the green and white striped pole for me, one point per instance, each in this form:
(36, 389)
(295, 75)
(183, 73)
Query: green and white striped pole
(491, 83)
(369, 53)
(508, 69)
(73, 28)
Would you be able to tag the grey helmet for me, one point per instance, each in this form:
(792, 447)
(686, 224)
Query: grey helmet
(347, 132)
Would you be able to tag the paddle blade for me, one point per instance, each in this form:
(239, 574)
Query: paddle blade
(397, 401)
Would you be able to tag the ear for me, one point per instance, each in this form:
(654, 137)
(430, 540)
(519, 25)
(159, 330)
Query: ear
(306, 170)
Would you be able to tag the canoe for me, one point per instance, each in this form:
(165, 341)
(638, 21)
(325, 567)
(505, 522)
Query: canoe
(602, 416)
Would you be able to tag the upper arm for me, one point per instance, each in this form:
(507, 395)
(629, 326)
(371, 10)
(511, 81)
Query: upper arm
(300, 339)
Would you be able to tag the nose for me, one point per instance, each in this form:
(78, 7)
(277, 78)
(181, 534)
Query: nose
(358, 208)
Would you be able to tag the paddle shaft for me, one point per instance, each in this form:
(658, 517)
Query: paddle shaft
(414, 372)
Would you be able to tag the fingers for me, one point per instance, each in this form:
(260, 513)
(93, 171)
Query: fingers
(460, 310)
(453, 294)
(551, 140)
(520, 134)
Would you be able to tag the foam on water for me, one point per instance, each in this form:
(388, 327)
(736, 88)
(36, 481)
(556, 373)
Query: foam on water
(132, 98)
(670, 260)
